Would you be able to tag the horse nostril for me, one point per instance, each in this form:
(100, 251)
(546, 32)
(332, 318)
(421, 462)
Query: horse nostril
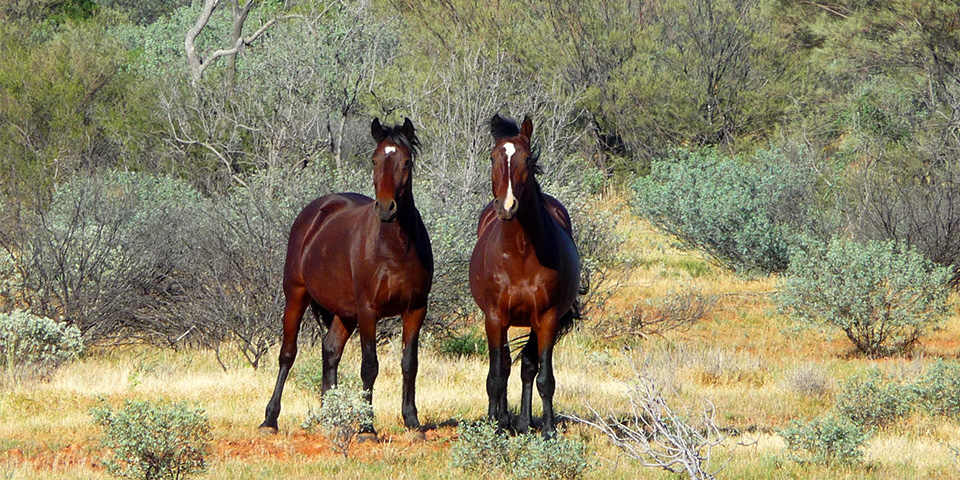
(392, 207)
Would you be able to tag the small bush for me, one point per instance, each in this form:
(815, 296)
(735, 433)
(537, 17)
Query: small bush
(309, 375)
(32, 345)
(884, 296)
(469, 344)
(746, 214)
(809, 379)
(344, 413)
(873, 400)
(938, 389)
(533, 457)
(720, 367)
(481, 449)
(154, 441)
(672, 311)
(829, 439)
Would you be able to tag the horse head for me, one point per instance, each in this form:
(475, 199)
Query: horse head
(392, 163)
(514, 165)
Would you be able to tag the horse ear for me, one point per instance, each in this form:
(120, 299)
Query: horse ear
(377, 131)
(526, 128)
(408, 130)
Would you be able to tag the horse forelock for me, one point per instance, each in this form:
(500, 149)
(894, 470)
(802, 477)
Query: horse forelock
(394, 135)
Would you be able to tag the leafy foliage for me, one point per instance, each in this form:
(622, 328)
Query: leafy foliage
(154, 441)
(829, 439)
(482, 449)
(746, 214)
(938, 389)
(109, 254)
(345, 412)
(883, 296)
(872, 400)
(35, 346)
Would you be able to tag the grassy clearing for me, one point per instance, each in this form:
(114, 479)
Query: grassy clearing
(744, 357)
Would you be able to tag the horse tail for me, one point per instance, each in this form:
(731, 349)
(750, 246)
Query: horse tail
(566, 322)
(324, 317)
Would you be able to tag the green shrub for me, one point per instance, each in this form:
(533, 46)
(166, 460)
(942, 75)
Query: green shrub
(154, 441)
(938, 389)
(746, 214)
(829, 439)
(32, 345)
(481, 449)
(533, 457)
(471, 343)
(884, 296)
(345, 412)
(309, 375)
(873, 400)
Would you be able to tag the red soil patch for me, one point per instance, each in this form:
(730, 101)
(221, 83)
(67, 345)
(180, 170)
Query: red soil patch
(296, 444)
(73, 456)
(302, 444)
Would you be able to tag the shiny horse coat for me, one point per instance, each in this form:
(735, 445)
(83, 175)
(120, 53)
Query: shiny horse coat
(356, 260)
(524, 272)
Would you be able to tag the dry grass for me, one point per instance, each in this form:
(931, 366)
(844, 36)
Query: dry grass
(742, 356)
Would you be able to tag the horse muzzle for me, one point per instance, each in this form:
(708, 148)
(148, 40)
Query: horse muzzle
(505, 213)
(388, 211)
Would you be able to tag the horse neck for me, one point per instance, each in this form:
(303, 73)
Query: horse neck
(534, 218)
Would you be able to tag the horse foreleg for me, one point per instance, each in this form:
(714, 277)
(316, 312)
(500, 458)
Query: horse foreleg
(369, 365)
(297, 300)
(498, 374)
(333, 343)
(528, 372)
(546, 383)
(409, 363)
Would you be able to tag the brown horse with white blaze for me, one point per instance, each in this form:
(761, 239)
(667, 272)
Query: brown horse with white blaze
(356, 260)
(524, 272)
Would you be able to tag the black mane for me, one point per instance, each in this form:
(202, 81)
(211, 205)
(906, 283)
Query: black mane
(396, 135)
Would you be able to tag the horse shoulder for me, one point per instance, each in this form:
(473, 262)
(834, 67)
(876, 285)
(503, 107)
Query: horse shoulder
(487, 216)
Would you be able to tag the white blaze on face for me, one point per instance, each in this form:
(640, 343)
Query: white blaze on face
(389, 150)
(508, 202)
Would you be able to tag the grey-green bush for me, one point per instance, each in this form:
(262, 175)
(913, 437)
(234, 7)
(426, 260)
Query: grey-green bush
(938, 389)
(884, 296)
(481, 449)
(32, 346)
(112, 254)
(873, 400)
(345, 412)
(154, 440)
(828, 439)
(745, 213)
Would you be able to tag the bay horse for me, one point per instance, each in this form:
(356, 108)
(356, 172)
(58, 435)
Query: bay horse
(356, 260)
(524, 272)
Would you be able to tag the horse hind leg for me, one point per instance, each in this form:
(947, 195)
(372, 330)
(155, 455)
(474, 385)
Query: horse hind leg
(297, 299)
(338, 332)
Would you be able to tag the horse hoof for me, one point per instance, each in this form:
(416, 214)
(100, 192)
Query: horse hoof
(367, 437)
(267, 430)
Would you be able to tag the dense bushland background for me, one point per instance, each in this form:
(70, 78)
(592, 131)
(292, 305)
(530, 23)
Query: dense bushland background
(146, 192)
